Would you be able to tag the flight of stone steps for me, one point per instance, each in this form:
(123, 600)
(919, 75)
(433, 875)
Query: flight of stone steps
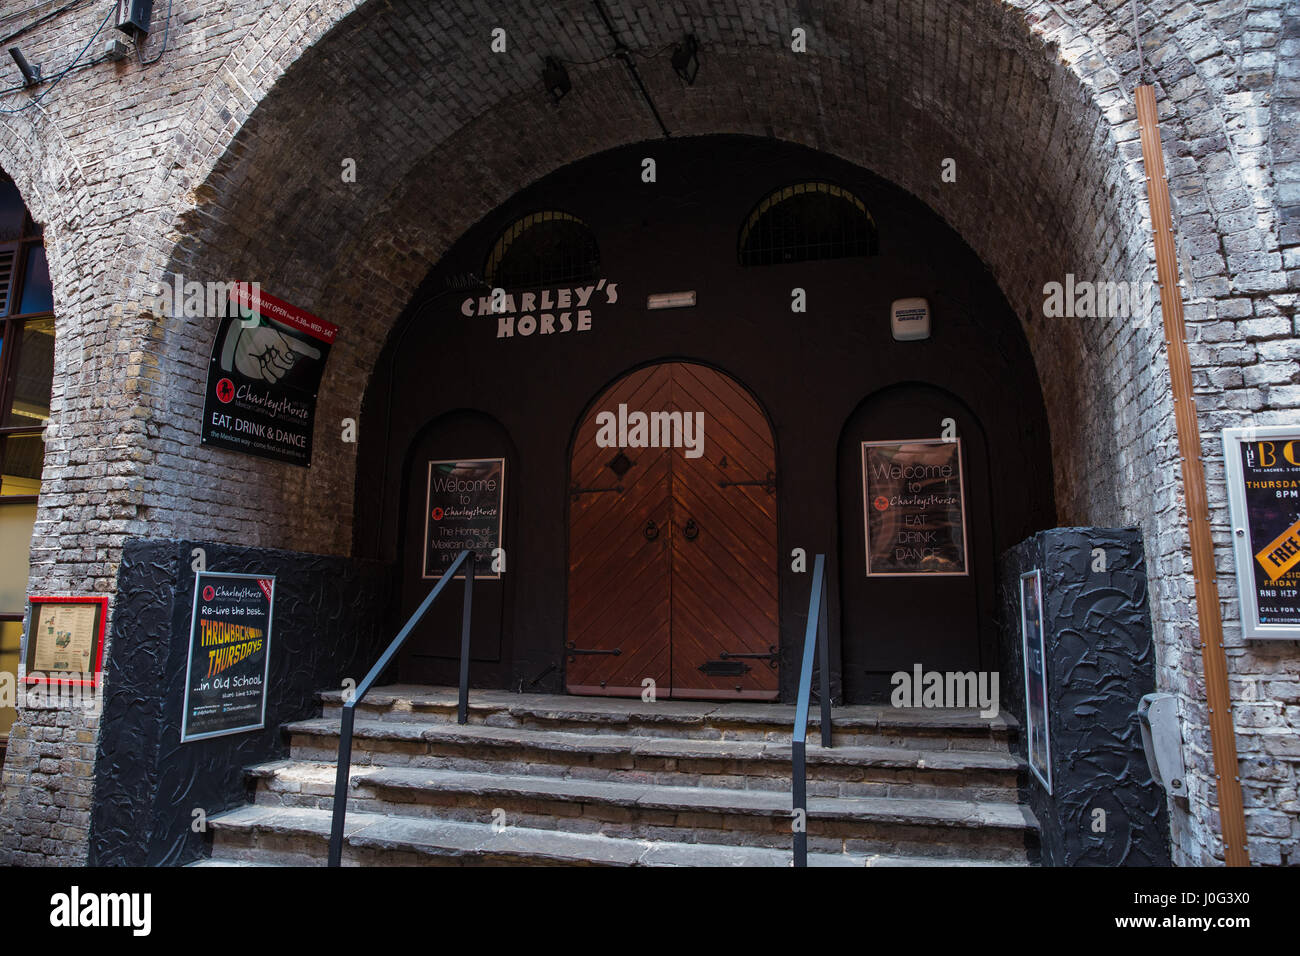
(541, 779)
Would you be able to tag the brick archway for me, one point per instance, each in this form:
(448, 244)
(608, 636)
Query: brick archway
(235, 170)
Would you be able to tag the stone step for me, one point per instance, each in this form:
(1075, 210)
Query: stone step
(299, 836)
(939, 729)
(847, 770)
(1000, 830)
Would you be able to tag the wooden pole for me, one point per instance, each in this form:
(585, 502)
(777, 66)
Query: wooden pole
(1222, 736)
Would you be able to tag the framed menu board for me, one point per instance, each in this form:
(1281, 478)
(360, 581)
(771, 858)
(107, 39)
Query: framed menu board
(1263, 472)
(463, 509)
(914, 508)
(65, 640)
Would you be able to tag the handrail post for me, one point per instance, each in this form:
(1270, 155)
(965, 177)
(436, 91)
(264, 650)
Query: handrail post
(462, 706)
(815, 640)
(800, 805)
(340, 808)
(341, 783)
(823, 652)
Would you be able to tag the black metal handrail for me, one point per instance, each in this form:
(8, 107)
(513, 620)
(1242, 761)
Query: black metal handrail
(466, 558)
(815, 644)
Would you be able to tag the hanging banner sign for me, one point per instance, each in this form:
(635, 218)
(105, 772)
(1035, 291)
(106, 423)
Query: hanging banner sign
(914, 507)
(463, 509)
(265, 371)
(1263, 471)
(230, 655)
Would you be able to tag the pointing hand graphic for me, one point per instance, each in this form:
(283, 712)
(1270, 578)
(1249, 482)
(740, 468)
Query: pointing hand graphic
(263, 352)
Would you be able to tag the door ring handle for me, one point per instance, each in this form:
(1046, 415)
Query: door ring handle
(692, 530)
(651, 530)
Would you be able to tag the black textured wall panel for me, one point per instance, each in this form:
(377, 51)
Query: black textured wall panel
(1100, 662)
(327, 626)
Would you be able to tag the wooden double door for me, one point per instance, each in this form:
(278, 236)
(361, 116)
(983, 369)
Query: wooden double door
(673, 549)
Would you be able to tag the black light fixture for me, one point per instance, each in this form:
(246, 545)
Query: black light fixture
(31, 74)
(556, 78)
(685, 62)
(133, 17)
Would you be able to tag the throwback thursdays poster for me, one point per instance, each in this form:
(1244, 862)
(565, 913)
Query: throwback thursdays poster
(263, 377)
(230, 642)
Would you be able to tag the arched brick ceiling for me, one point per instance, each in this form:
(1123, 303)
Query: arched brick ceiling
(442, 131)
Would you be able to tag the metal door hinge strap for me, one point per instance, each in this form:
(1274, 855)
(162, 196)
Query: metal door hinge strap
(772, 657)
(576, 491)
(768, 483)
(574, 651)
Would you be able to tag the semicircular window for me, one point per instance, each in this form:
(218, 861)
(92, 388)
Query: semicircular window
(805, 222)
(541, 249)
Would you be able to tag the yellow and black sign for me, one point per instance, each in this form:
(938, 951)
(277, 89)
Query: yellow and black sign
(1267, 509)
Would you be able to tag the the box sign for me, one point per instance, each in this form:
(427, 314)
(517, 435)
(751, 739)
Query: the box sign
(1034, 648)
(463, 509)
(263, 378)
(229, 655)
(914, 507)
(1263, 471)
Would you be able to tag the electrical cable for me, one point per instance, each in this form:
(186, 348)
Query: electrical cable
(167, 29)
(37, 22)
(66, 70)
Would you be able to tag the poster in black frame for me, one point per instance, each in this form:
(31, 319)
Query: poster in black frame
(229, 655)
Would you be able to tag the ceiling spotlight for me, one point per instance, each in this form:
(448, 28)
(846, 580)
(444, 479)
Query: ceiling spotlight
(31, 74)
(556, 78)
(685, 62)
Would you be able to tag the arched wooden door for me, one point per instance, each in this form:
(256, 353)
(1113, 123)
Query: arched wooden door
(672, 549)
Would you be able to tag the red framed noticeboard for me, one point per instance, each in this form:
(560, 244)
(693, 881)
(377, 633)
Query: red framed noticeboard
(65, 640)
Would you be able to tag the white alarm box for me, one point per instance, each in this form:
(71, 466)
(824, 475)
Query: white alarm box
(910, 319)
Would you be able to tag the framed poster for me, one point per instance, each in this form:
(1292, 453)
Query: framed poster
(1263, 472)
(1035, 657)
(463, 509)
(914, 508)
(65, 640)
(229, 655)
(263, 377)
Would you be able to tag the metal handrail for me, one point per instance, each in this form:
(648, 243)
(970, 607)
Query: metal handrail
(815, 644)
(466, 558)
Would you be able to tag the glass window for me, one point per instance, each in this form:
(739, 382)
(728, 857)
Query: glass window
(38, 294)
(12, 211)
(7, 259)
(34, 375)
(24, 455)
(11, 635)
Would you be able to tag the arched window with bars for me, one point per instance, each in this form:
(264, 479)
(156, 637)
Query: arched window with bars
(546, 248)
(805, 222)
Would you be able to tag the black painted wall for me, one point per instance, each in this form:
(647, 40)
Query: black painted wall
(327, 626)
(810, 371)
(1100, 662)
